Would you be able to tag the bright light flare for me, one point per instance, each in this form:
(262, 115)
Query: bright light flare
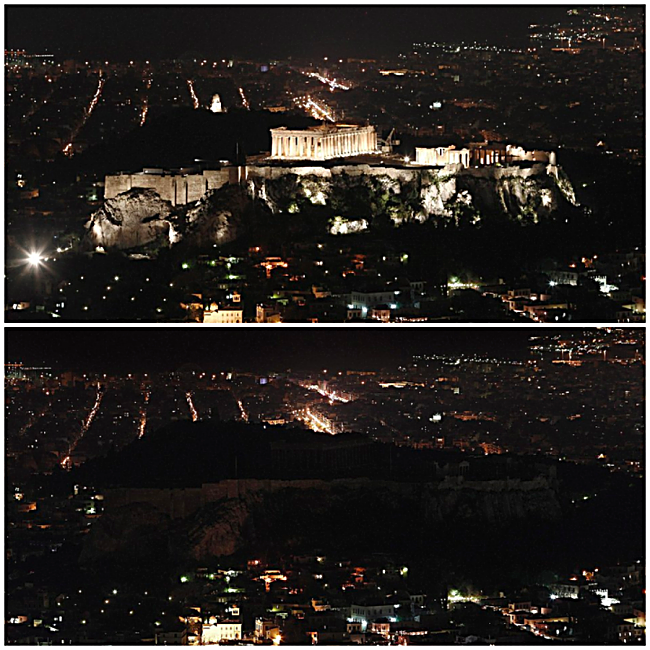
(34, 258)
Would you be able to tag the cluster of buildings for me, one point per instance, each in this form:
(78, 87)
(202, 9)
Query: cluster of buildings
(607, 598)
(321, 600)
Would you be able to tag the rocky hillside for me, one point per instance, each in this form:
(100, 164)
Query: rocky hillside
(523, 193)
(347, 199)
(140, 218)
(297, 518)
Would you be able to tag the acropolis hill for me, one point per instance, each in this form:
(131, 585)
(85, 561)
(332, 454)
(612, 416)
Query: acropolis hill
(315, 164)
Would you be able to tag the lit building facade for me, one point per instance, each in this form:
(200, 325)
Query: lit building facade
(216, 314)
(441, 156)
(479, 154)
(322, 142)
(215, 632)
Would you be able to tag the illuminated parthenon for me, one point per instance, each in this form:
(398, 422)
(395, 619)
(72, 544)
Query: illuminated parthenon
(323, 142)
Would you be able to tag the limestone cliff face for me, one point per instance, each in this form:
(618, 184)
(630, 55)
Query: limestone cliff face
(140, 218)
(127, 530)
(215, 219)
(130, 220)
(352, 195)
(523, 193)
(285, 513)
(491, 501)
(218, 529)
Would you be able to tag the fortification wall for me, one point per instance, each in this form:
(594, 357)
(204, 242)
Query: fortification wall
(182, 502)
(178, 189)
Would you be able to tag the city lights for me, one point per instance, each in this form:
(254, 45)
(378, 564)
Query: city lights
(455, 484)
(244, 101)
(193, 412)
(331, 83)
(195, 99)
(215, 104)
(351, 446)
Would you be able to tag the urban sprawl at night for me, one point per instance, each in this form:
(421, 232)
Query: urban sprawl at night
(324, 325)
(309, 165)
(426, 487)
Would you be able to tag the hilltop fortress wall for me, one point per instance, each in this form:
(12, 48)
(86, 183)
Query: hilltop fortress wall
(178, 188)
(482, 160)
(183, 502)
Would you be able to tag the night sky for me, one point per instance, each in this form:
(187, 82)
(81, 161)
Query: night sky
(257, 349)
(262, 31)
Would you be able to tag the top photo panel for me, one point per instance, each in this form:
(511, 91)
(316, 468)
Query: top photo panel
(325, 164)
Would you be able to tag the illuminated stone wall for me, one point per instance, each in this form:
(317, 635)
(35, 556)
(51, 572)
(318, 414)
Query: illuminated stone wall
(180, 503)
(178, 189)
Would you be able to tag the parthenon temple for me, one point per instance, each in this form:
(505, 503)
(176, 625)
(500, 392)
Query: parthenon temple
(322, 142)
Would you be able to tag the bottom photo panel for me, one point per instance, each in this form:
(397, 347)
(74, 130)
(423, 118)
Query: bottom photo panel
(402, 486)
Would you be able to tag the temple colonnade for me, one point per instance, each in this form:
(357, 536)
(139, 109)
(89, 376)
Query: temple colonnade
(322, 143)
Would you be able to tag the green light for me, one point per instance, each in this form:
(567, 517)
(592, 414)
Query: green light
(185, 266)
(184, 579)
